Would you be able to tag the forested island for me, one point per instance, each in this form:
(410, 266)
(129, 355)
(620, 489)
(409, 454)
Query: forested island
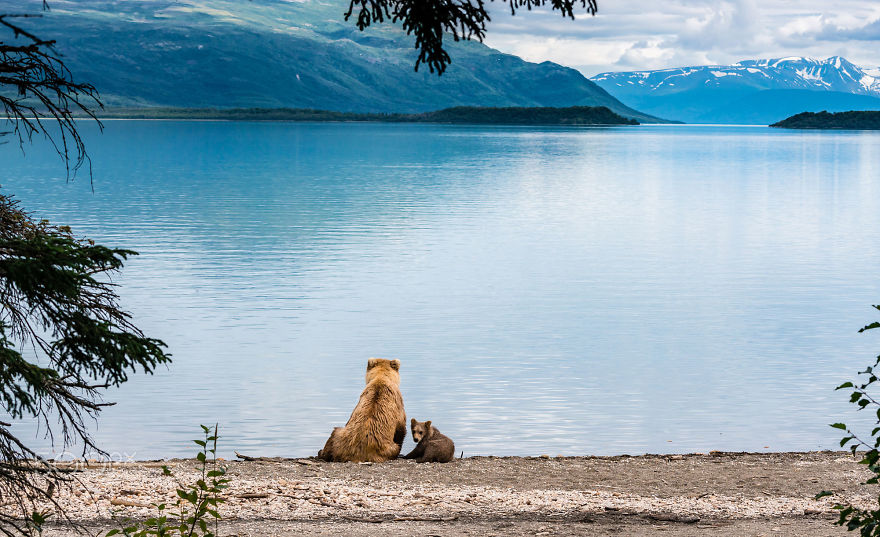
(573, 115)
(855, 120)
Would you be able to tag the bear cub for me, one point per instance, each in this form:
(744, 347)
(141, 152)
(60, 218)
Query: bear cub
(432, 445)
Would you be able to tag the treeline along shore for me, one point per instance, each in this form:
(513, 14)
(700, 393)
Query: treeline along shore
(852, 120)
(572, 115)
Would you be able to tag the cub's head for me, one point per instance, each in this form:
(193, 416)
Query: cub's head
(379, 367)
(420, 429)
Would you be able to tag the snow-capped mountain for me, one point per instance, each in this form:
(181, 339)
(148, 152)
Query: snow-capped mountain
(832, 74)
(731, 93)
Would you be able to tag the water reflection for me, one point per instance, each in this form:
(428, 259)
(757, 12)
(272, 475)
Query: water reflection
(548, 290)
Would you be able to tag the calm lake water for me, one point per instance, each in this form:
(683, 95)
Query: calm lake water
(559, 291)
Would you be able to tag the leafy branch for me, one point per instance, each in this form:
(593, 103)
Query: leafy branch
(63, 338)
(867, 521)
(38, 94)
(189, 516)
(430, 20)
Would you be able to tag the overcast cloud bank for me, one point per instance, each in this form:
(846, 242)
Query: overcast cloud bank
(631, 35)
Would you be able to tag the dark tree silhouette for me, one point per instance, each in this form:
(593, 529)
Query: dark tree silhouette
(432, 20)
(38, 94)
(63, 336)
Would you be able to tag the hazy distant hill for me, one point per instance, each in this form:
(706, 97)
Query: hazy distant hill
(752, 91)
(276, 53)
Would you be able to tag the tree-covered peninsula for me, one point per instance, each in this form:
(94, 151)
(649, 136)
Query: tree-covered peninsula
(855, 120)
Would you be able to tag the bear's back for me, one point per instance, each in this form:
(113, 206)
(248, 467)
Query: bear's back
(377, 426)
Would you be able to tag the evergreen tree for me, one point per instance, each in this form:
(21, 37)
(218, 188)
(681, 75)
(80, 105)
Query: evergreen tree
(63, 336)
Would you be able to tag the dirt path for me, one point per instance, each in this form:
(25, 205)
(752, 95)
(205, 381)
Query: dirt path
(716, 494)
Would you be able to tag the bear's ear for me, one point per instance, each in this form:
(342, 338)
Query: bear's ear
(412, 423)
(372, 362)
(395, 365)
(427, 426)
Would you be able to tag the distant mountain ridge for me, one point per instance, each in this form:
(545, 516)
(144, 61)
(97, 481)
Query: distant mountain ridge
(718, 93)
(293, 54)
(832, 74)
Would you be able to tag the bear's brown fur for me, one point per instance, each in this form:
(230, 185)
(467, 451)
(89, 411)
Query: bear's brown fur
(377, 426)
(431, 444)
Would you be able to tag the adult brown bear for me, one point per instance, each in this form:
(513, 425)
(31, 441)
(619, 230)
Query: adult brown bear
(377, 426)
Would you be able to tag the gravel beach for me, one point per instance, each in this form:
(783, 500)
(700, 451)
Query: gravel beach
(725, 494)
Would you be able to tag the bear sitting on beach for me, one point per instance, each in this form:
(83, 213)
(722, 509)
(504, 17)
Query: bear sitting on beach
(377, 426)
(432, 445)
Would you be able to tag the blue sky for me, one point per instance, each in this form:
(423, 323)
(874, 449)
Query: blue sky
(639, 34)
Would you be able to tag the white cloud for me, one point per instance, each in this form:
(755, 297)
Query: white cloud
(633, 34)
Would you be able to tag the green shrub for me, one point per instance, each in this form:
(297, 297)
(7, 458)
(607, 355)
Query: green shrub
(867, 521)
(197, 503)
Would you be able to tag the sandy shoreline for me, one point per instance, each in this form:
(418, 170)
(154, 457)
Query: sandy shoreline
(714, 494)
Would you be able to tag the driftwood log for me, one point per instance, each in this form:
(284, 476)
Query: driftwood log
(248, 458)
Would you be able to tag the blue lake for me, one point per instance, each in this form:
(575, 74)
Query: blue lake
(548, 290)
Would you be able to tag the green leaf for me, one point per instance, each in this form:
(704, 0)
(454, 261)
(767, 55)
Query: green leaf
(111, 533)
(844, 385)
(845, 440)
(870, 327)
(823, 494)
(840, 426)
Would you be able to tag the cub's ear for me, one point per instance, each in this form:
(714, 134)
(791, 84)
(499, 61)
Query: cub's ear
(428, 425)
(412, 423)
(395, 365)
(373, 362)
